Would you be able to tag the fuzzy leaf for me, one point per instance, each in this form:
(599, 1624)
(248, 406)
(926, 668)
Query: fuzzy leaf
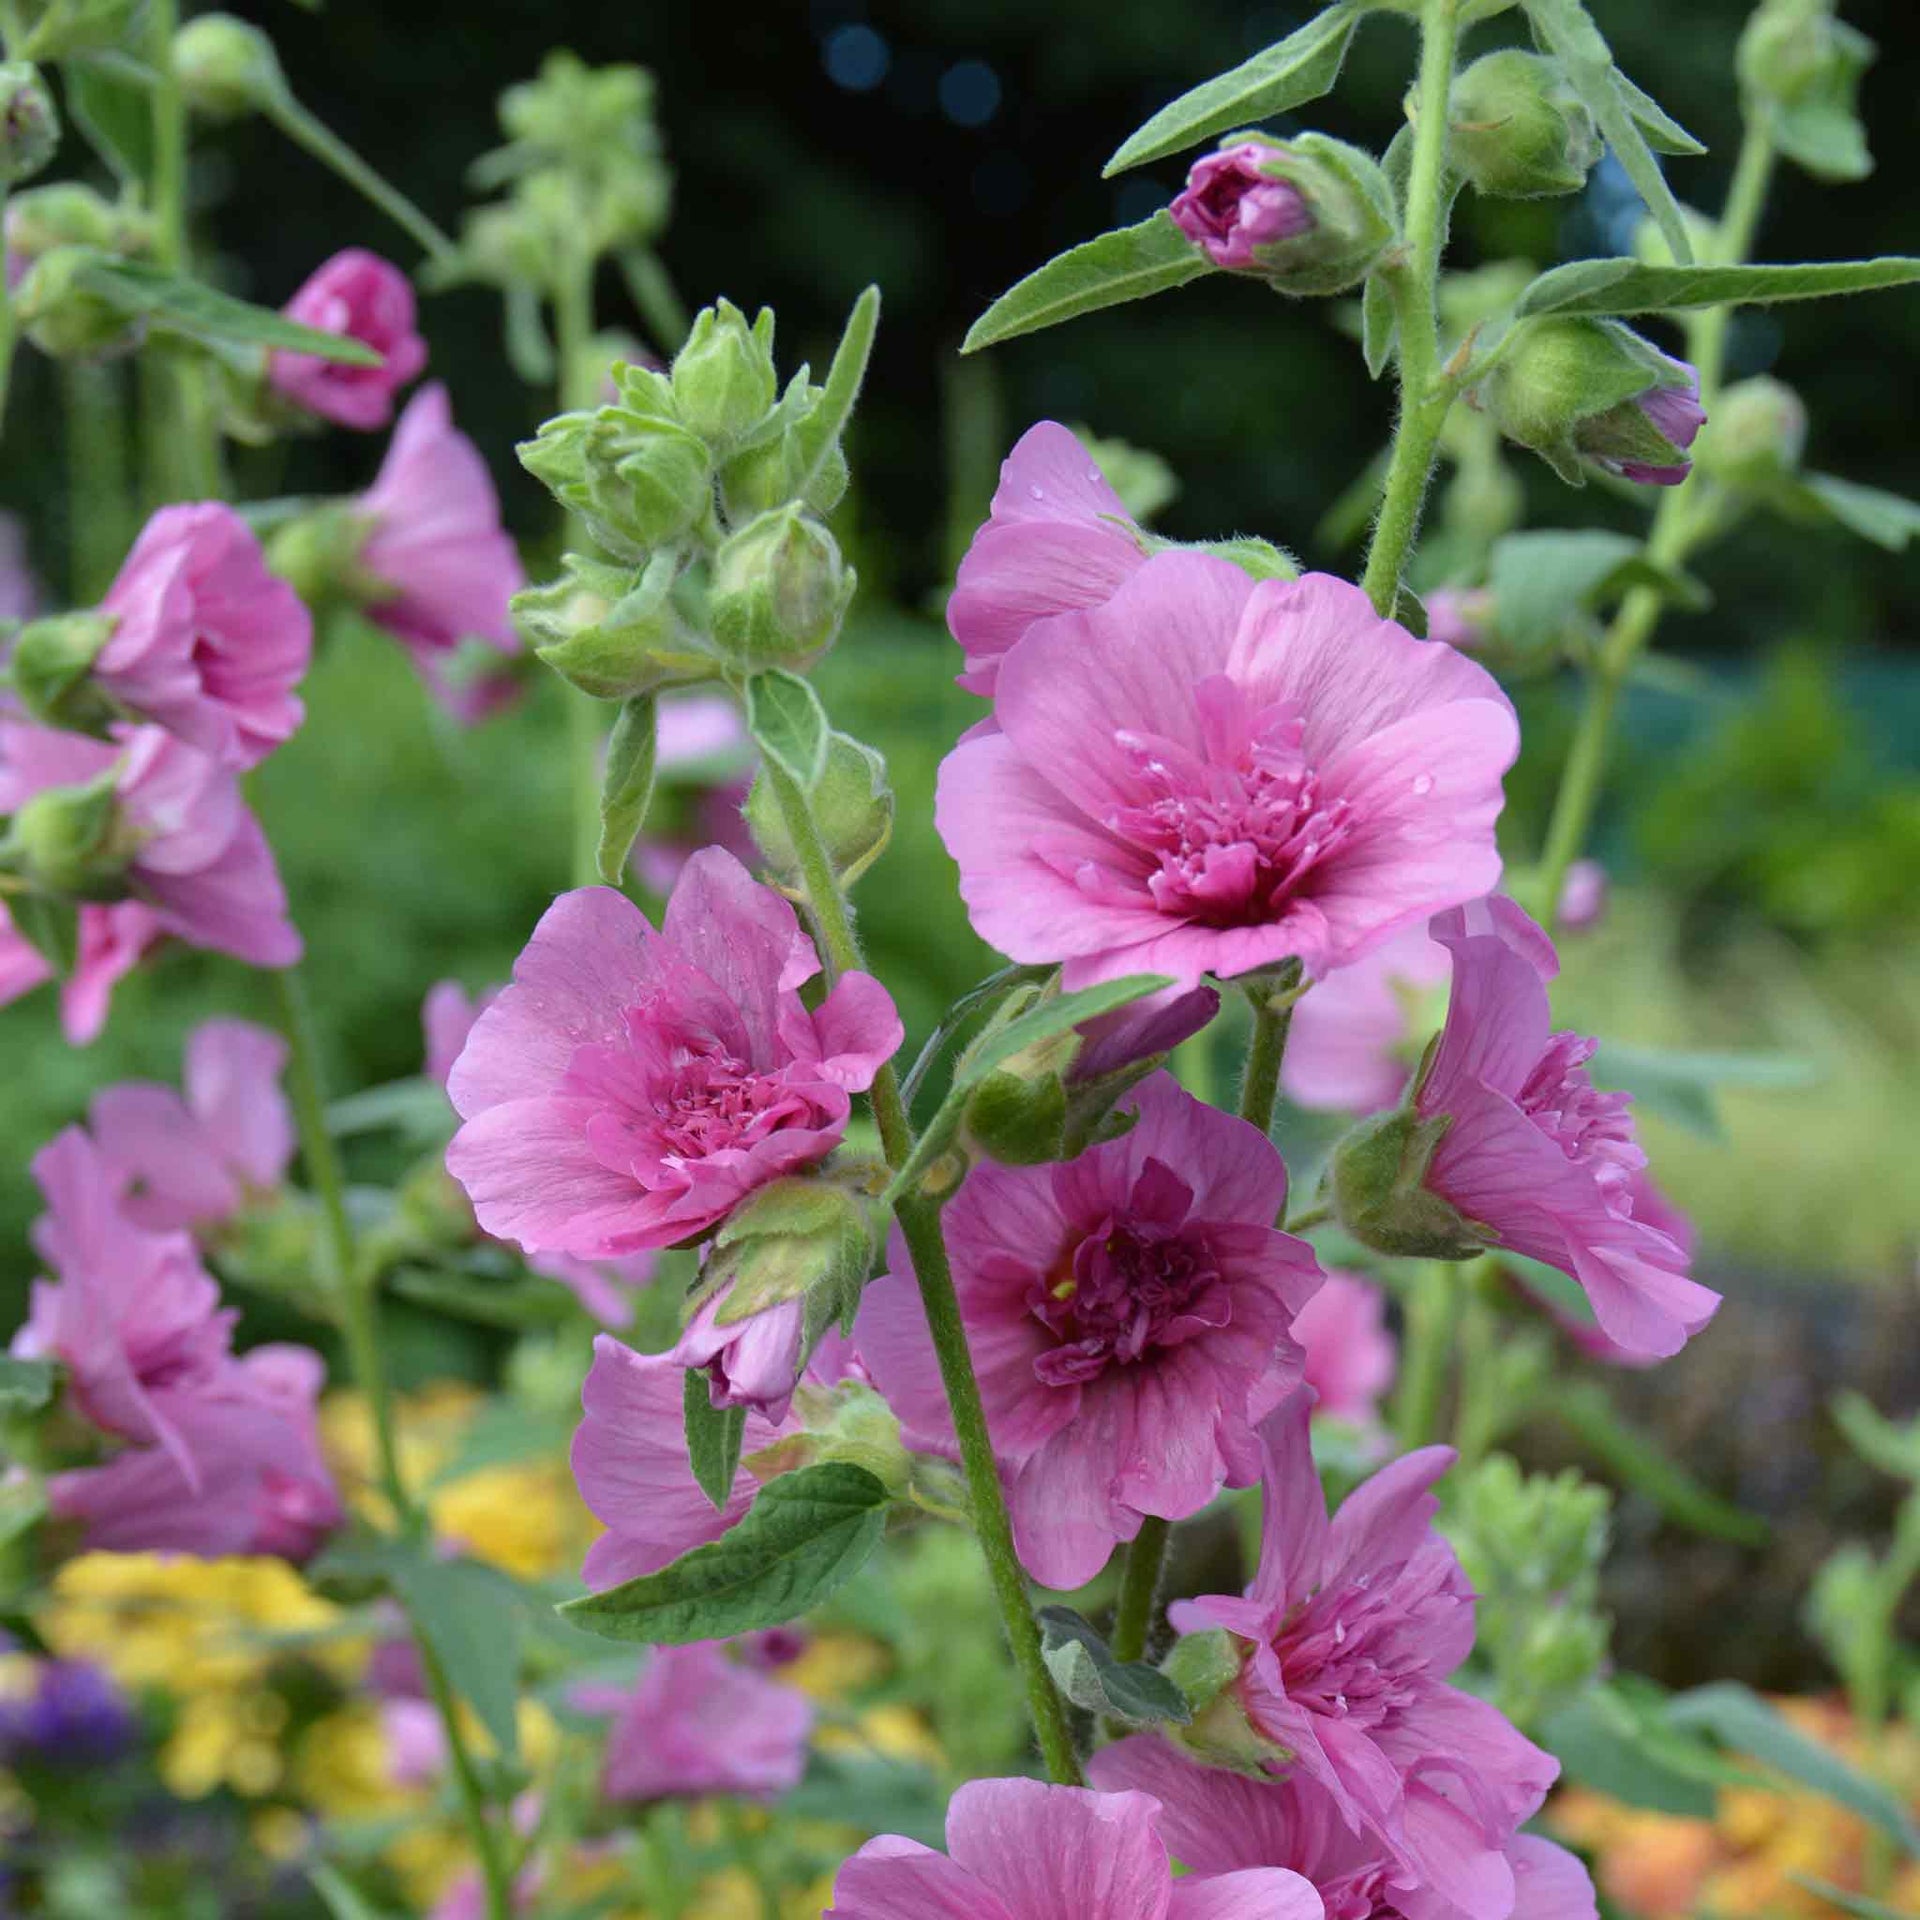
(804, 1538)
(1540, 580)
(1302, 67)
(1084, 1669)
(1379, 325)
(714, 1437)
(817, 435)
(1128, 264)
(626, 785)
(1664, 133)
(785, 716)
(1598, 287)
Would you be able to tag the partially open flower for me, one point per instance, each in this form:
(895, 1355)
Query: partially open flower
(363, 297)
(1231, 207)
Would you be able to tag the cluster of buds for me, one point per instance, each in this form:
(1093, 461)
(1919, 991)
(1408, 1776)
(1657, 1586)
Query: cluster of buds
(53, 235)
(1800, 67)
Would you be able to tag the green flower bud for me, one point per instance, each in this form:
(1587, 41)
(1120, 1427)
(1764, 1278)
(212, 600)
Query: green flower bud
(610, 632)
(723, 378)
(1517, 129)
(61, 311)
(1800, 68)
(1379, 1171)
(779, 591)
(766, 472)
(1260, 559)
(50, 663)
(29, 124)
(67, 214)
(318, 555)
(1757, 434)
(639, 483)
(1202, 1665)
(59, 29)
(852, 807)
(69, 841)
(225, 67)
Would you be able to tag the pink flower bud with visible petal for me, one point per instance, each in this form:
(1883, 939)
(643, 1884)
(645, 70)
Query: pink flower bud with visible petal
(1231, 208)
(368, 299)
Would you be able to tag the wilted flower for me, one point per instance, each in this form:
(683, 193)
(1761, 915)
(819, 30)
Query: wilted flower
(368, 299)
(1231, 207)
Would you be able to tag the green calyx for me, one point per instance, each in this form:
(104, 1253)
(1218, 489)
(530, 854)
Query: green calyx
(72, 842)
(614, 632)
(724, 380)
(637, 481)
(1517, 129)
(778, 591)
(1380, 1193)
(1351, 204)
(50, 665)
(852, 809)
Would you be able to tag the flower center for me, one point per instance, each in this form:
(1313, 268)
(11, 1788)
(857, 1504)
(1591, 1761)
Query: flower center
(713, 1102)
(1346, 1655)
(1588, 1126)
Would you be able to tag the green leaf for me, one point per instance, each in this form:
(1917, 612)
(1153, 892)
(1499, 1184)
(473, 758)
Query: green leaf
(1084, 1669)
(1566, 30)
(1883, 1443)
(1379, 325)
(714, 1437)
(1664, 133)
(1613, 1740)
(804, 1538)
(520, 1306)
(1541, 580)
(50, 927)
(626, 785)
(785, 716)
(1739, 1718)
(417, 1108)
(25, 1385)
(471, 1620)
(819, 433)
(1599, 287)
(115, 113)
(1682, 1087)
(1300, 68)
(1855, 1903)
(1130, 263)
(1884, 518)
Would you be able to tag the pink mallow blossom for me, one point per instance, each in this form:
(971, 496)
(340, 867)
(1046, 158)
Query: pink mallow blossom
(368, 299)
(1352, 1627)
(206, 642)
(1209, 775)
(1533, 1155)
(632, 1087)
(1221, 1822)
(193, 1158)
(1057, 540)
(444, 567)
(1349, 1353)
(113, 939)
(1230, 208)
(1023, 1850)
(1129, 1315)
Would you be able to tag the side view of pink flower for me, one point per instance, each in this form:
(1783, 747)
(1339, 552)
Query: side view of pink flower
(631, 1087)
(1349, 1353)
(206, 642)
(113, 939)
(1354, 1040)
(366, 298)
(1352, 1627)
(1533, 1154)
(191, 1159)
(1129, 1314)
(1209, 775)
(1058, 540)
(1022, 1850)
(1229, 207)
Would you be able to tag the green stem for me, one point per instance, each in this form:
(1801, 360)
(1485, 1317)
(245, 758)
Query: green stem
(96, 477)
(326, 146)
(920, 1226)
(662, 311)
(1260, 1084)
(6, 325)
(1425, 396)
(1426, 1355)
(495, 1874)
(1139, 1584)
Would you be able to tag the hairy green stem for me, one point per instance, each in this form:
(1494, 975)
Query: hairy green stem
(1260, 1083)
(920, 1226)
(1139, 1585)
(326, 146)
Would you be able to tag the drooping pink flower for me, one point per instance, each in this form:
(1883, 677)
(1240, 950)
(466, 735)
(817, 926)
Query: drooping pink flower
(1129, 1316)
(631, 1087)
(447, 568)
(1218, 1821)
(754, 1362)
(366, 298)
(113, 939)
(1208, 775)
(1353, 1627)
(1230, 209)
(1058, 540)
(700, 1722)
(197, 859)
(1350, 1354)
(206, 642)
(1023, 1850)
(1355, 1034)
(1676, 414)
(1533, 1155)
(193, 1161)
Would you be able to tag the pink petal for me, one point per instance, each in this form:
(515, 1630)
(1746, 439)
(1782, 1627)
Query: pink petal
(1061, 1853)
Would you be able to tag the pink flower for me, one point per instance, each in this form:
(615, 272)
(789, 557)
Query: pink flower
(193, 1161)
(357, 294)
(1350, 1048)
(606, 1288)
(113, 939)
(1532, 1154)
(198, 859)
(1354, 1627)
(1583, 897)
(1129, 1315)
(754, 1362)
(1222, 1822)
(1022, 1850)
(447, 1015)
(1676, 415)
(699, 1722)
(1229, 208)
(445, 566)
(1130, 1034)
(631, 1088)
(1205, 775)
(1460, 616)
(1058, 540)
(1349, 1352)
(206, 642)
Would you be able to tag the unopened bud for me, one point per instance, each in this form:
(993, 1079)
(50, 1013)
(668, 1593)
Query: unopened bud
(1462, 617)
(50, 662)
(1758, 434)
(768, 473)
(1801, 67)
(852, 808)
(68, 841)
(1379, 1191)
(1202, 1665)
(637, 482)
(318, 555)
(1518, 130)
(62, 311)
(1017, 1114)
(29, 125)
(779, 591)
(1257, 558)
(225, 67)
(610, 632)
(67, 214)
(723, 378)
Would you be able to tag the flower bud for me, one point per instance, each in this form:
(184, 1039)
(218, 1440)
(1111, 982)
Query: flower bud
(67, 214)
(767, 473)
(1758, 434)
(638, 483)
(1260, 559)
(723, 378)
(1462, 617)
(1517, 129)
(1308, 216)
(1202, 1665)
(29, 125)
(69, 841)
(50, 663)
(225, 67)
(1379, 1195)
(611, 633)
(1802, 67)
(1018, 1113)
(1594, 391)
(318, 555)
(779, 591)
(61, 311)
(852, 807)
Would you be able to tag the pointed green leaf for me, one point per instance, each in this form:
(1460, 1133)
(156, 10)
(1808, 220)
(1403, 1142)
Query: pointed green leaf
(819, 433)
(1379, 325)
(1884, 518)
(626, 785)
(785, 716)
(1130, 263)
(1595, 287)
(1299, 68)
(1084, 1669)
(470, 1619)
(714, 1437)
(1664, 133)
(1615, 1739)
(805, 1536)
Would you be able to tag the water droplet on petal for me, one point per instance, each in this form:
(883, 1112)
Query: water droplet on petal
(1423, 784)
(1037, 492)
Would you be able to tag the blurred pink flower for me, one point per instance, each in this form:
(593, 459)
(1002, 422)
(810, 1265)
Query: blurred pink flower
(1349, 1352)
(1129, 1315)
(1583, 898)
(1677, 415)
(1349, 1049)
(366, 298)
(20, 595)
(1229, 208)
(447, 1015)
(1460, 616)
(206, 642)
(704, 761)
(1208, 775)
(1058, 540)
(630, 1088)
(112, 941)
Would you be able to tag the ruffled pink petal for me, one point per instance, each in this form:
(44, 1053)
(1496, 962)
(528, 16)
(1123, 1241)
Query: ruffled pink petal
(857, 1030)
(1061, 1853)
(1548, 1882)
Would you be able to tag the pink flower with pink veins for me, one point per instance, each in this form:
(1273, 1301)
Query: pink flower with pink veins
(1218, 1821)
(1129, 1314)
(1022, 1850)
(1353, 1626)
(1209, 775)
(632, 1087)
(366, 298)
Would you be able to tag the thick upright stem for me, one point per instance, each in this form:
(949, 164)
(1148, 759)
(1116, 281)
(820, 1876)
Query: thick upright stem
(97, 480)
(1139, 1585)
(1260, 1084)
